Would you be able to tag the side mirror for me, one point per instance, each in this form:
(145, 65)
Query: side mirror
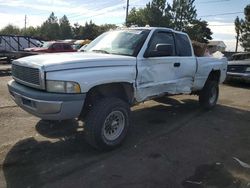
(161, 50)
(164, 49)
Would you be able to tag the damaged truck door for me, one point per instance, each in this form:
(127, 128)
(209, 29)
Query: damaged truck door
(167, 67)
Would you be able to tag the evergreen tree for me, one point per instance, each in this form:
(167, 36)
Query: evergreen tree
(181, 15)
(153, 14)
(89, 31)
(238, 30)
(65, 28)
(76, 30)
(182, 12)
(245, 34)
(199, 31)
(137, 17)
(50, 29)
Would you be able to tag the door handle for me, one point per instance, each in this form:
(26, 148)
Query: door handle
(177, 64)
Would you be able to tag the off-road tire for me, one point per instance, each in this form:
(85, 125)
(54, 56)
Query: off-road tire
(209, 95)
(100, 117)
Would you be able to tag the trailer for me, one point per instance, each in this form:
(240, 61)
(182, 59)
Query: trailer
(12, 46)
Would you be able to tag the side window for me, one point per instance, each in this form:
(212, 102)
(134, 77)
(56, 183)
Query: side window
(161, 38)
(183, 45)
(57, 46)
(66, 47)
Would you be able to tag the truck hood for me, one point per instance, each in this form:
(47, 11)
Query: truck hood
(63, 61)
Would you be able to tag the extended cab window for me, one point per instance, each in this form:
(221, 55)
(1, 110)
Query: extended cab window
(183, 45)
(161, 38)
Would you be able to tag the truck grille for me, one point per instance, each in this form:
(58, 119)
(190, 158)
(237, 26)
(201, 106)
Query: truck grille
(236, 68)
(26, 74)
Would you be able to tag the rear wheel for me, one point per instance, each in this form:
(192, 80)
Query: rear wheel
(107, 123)
(209, 94)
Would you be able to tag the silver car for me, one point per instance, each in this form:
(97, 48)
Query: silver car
(239, 67)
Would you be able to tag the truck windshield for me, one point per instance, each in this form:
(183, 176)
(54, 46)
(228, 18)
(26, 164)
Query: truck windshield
(121, 42)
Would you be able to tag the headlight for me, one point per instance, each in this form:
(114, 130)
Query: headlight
(248, 69)
(62, 87)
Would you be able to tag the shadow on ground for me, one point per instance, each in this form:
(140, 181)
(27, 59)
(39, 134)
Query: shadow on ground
(33, 163)
(238, 83)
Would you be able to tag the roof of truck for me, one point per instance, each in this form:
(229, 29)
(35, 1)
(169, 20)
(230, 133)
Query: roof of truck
(152, 28)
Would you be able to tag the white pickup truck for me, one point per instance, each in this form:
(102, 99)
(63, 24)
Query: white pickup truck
(118, 69)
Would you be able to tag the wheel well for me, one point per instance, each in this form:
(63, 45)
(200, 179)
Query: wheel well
(214, 75)
(123, 91)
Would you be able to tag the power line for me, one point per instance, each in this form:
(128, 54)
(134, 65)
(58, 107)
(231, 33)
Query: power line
(223, 14)
(92, 16)
(212, 1)
(96, 10)
(223, 25)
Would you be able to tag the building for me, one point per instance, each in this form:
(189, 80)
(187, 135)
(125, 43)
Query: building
(214, 46)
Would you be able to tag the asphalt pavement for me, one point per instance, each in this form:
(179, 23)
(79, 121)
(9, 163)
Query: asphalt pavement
(171, 143)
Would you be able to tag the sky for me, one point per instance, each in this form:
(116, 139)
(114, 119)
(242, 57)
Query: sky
(220, 14)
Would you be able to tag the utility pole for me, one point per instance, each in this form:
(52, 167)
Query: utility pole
(126, 21)
(25, 22)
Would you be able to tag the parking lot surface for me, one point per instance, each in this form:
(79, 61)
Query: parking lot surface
(171, 143)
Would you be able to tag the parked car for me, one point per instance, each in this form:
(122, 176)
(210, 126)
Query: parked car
(239, 67)
(52, 47)
(118, 69)
(80, 43)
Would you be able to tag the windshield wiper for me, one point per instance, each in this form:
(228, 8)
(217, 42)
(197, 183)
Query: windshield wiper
(101, 51)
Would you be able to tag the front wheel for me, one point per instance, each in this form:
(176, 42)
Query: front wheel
(107, 123)
(209, 95)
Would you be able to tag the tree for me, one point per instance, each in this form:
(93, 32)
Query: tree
(238, 30)
(198, 31)
(31, 31)
(245, 32)
(50, 29)
(76, 30)
(65, 28)
(182, 13)
(136, 17)
(153, 14)
(10, 30)
(89, 31)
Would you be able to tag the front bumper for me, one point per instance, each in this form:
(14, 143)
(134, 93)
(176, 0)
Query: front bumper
(238, 76)
(45, 105)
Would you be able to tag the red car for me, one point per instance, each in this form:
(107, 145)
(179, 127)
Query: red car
(52, 47)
